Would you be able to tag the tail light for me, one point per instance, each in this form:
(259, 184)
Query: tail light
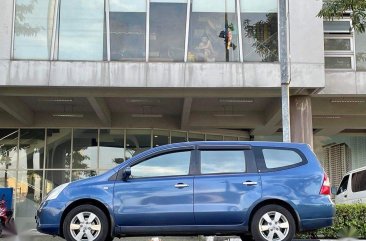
(325, 189)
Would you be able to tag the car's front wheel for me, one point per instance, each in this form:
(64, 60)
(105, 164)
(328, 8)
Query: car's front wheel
(86, 223)
(273, 223)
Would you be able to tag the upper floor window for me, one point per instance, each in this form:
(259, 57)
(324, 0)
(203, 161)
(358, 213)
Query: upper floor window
(81, 30)
(213, 35)
(147, 30)
(33, 31)
(127, 21)
(338, 45)
(260, 30)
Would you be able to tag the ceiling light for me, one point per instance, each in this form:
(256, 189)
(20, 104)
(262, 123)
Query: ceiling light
(229, 115)
(142, 100)
(326, 117)
(56, 100)
(68, 115)
(347, 101)
(147, 115)
(236, 100)
(155, 136)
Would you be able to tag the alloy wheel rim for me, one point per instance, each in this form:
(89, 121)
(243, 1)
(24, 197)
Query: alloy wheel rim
(85, 226)
(274, 226)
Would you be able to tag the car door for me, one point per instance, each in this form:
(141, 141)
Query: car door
(226, 186)
(159, 192)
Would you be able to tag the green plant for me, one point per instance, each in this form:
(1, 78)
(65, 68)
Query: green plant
(350, 221)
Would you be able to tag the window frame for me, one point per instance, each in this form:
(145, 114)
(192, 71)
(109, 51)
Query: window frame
(355, 177)
(339, 188)
(261, 163)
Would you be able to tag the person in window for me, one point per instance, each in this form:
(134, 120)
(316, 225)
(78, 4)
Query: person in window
(205, 50)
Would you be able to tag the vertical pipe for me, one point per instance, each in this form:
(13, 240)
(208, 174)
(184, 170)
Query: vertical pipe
(284, 63)
(147, 30)
(107, 21)
(13, 31)
(238, 12)
(187, 30)
(54, 29)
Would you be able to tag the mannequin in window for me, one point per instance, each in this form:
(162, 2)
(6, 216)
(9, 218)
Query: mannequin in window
(205, 50)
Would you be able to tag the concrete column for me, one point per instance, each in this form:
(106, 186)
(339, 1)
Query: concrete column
(6, 26)
(301, 119)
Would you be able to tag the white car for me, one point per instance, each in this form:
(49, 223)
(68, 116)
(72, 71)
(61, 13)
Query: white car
(352, 188)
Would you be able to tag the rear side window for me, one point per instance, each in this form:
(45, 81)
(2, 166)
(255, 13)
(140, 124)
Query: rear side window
(278, 158)
(222, 161)
(359, 181)
(344, 185)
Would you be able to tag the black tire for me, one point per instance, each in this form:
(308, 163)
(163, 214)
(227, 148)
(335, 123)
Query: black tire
(246, 237)
(101, 221)
(275, 228)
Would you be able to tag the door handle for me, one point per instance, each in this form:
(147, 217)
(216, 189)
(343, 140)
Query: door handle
(181, 185)
(250, 183)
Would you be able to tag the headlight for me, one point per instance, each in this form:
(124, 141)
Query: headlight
(55, 192)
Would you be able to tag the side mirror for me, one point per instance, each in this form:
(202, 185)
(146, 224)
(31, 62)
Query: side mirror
(126, 173)
(334, 190)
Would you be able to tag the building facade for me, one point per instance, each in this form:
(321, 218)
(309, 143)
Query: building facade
(85, 85)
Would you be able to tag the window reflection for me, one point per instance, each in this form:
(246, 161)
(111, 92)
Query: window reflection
(172, 164)
(54, 179)
(167, 30)
(160, 138)
(213, 31)
(8, 148)
(260, 30)
(33, 29)
(78, 175)
(111, 149)
(31, 148)
(58, 148)
(85, 149)
(137, 142)
(128, 29)
(177, 136)
(222, 162)
(81, 30)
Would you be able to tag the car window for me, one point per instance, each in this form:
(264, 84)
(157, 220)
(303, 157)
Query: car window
(222, 161)
(343, 185)
(276, 158)
(171, 164)
(359, 181)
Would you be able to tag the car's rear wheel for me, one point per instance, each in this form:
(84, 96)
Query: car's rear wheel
(273, 223)
(86, 223)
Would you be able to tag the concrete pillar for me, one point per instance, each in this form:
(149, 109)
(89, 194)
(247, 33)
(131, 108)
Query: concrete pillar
(301, 119)
(6, 26)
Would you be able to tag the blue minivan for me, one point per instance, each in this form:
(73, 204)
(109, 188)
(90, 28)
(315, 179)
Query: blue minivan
(265, 189)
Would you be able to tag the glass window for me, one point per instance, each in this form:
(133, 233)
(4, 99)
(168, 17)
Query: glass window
(54, 179)
(172, 164)
(81, 33)
(137, 142)
(196, 137)
(343, 186)
(111, 148)
(31, 148)
(359, 181)
(222, 162)
(167, 30)
(360, 39)
(78, 175)
(85, 149)
(160, 138)
(33, 25)
(338, 62)
(337, 44)
(58, 148)
(29, 196)
(127, 20)
(230, 138)
(8, 148)
(275, 158)
(213, 31)
(178, 136)
(337, 26)
(214, 138)
(260, 30)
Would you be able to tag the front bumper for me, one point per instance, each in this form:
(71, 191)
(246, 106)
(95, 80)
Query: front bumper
(48, 217)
